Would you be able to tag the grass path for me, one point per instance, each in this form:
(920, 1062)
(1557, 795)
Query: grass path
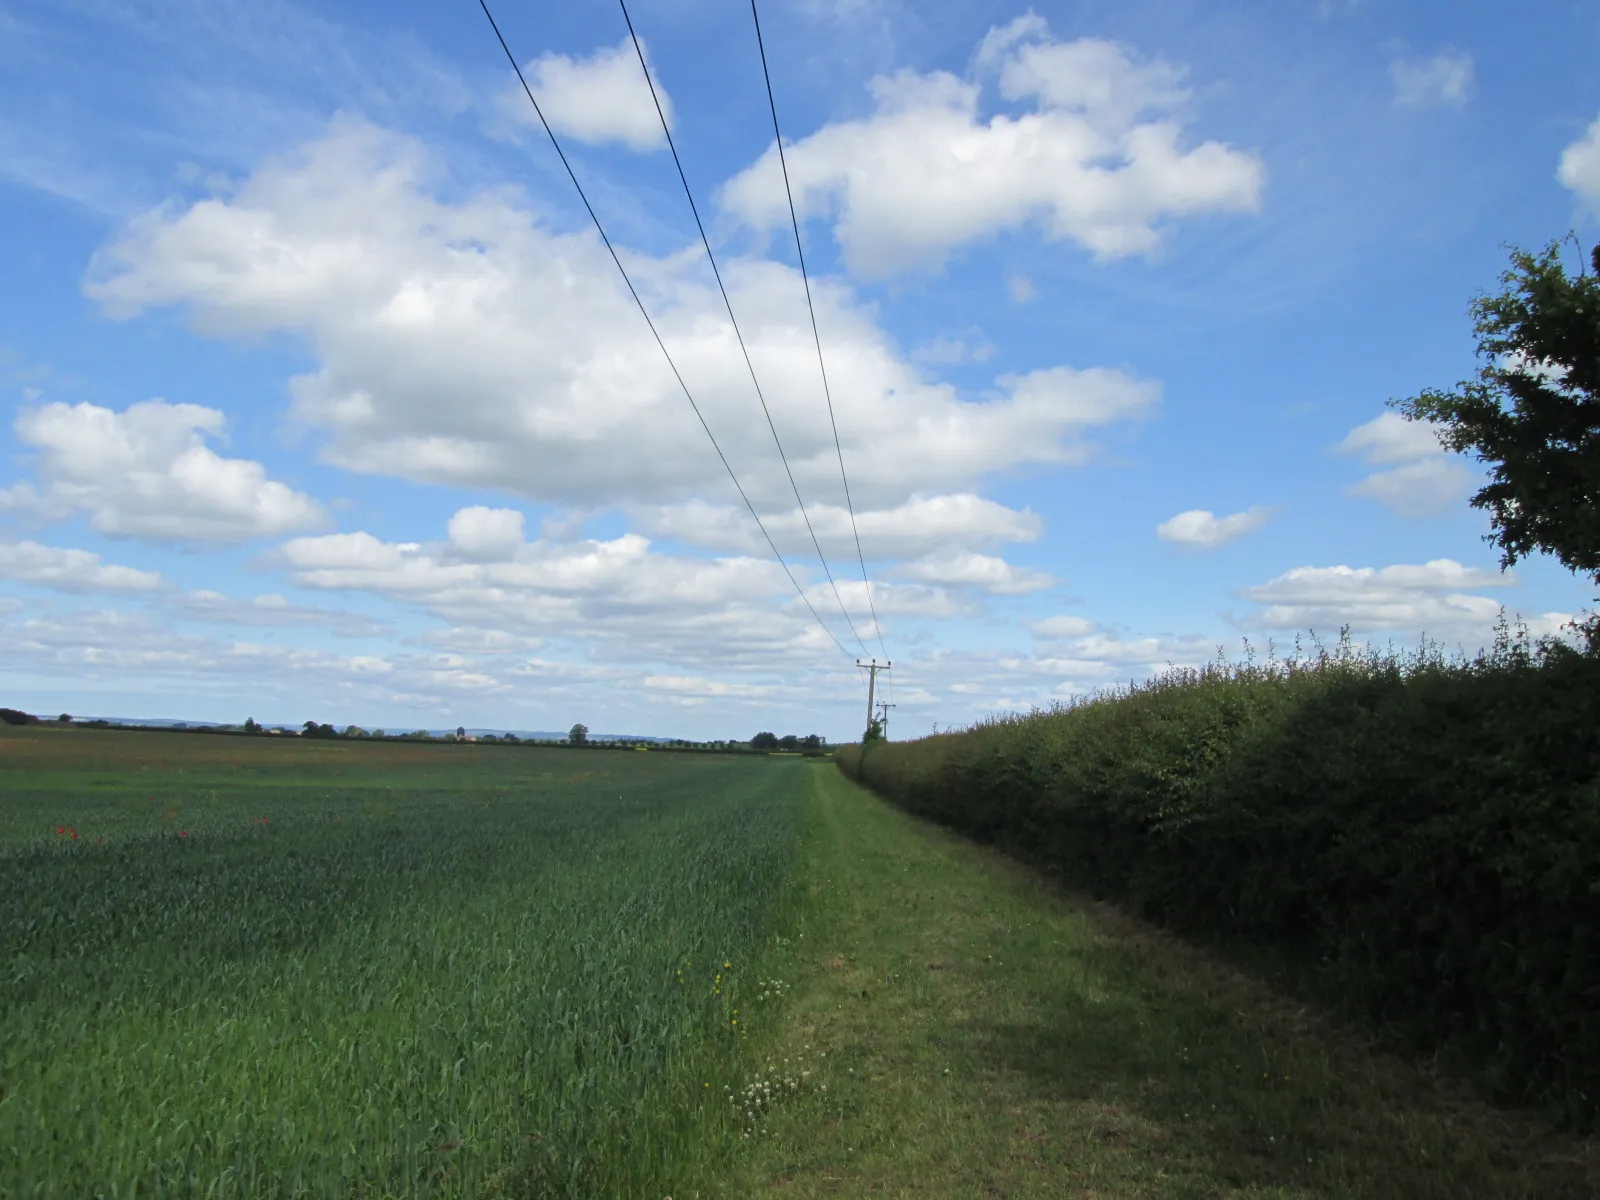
(968, 1031)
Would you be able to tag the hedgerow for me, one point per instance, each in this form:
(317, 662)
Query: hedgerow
(1419, 834)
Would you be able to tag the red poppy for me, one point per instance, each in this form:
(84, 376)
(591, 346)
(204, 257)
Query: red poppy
(60, 829)
(73, 834)
(183, 833)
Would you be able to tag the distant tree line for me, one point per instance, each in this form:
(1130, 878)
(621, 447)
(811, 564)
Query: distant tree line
(578, 736)
(812, 742)
(15, 716)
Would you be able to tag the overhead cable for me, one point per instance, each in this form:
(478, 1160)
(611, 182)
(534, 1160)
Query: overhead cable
(737, 333)
(632, 291)
(794, 221)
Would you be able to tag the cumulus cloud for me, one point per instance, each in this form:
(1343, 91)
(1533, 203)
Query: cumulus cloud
(1579, 170)
(1097, 160)
(118, 651)
(1063, 627)
(486, 533)
(270, 611)
(888, 600)
(600, 98)
(77, 571)
(147, 472)
(618, 595)
(1422, 479)
(1445, 78)
(965, 568)
(463, 343)
(1200, 529)
(921, 525)
(1086, 658)
(1438, 597)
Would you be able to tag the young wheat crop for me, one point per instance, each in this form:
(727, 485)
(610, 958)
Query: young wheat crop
(374, 970)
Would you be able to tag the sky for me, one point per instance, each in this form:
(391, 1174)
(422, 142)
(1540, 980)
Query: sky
(321, 397)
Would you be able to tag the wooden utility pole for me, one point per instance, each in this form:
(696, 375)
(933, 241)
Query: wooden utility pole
(872, 667)
(883, 707)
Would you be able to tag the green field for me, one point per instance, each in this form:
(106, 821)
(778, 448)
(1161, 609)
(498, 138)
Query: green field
(358, 969)
(268, 967)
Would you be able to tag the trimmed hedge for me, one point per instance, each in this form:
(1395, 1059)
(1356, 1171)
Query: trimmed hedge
(1422, 834)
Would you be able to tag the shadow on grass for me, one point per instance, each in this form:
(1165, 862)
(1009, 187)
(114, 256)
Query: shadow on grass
(1169, 1055)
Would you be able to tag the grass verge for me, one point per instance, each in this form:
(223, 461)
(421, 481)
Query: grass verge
(957, 1027)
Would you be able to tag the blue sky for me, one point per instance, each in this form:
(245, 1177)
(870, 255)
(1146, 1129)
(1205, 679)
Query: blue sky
(321, 399)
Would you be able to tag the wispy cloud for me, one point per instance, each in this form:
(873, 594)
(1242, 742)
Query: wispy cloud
(1444, 79)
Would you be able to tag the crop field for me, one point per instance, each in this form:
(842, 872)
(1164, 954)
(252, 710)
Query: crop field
(243, 967)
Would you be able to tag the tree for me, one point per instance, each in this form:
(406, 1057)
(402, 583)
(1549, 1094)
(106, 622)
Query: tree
(461, 732)
(13, 716)
(764, 741)
(250, 725)
(874, 732)
(65, 718)
(578, 735)
(1532, 414)
(812, 741)
(789, 742)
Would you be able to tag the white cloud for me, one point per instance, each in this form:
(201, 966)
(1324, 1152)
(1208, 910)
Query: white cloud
(486, 533)
(1446, 78)
(947, 350)
(71, 570)
(1417, 489)
(1390, 438)
(921, 525)
(1433, 598)
(617, 595)
(1199, 529)
(19, 498)
(270, 611)
(965, 568)
(698, 687)
(888, 599)
(1063, 627)
(1097, 161)
(147, 472)
(1089, 659)
(1021, 289)
(120, 651)
(463, 343)
(601, 98)
(1579, 170)
(1423, 477)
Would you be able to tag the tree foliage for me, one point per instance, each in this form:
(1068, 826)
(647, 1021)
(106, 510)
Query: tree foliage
(578, 735)
(1532, 414)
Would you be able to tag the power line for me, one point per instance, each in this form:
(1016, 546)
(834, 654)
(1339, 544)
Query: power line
(483, 4)
(728, 304)
(794, 221)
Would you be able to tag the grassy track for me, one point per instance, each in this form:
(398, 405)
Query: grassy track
(285, 968)
(969, 1032)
